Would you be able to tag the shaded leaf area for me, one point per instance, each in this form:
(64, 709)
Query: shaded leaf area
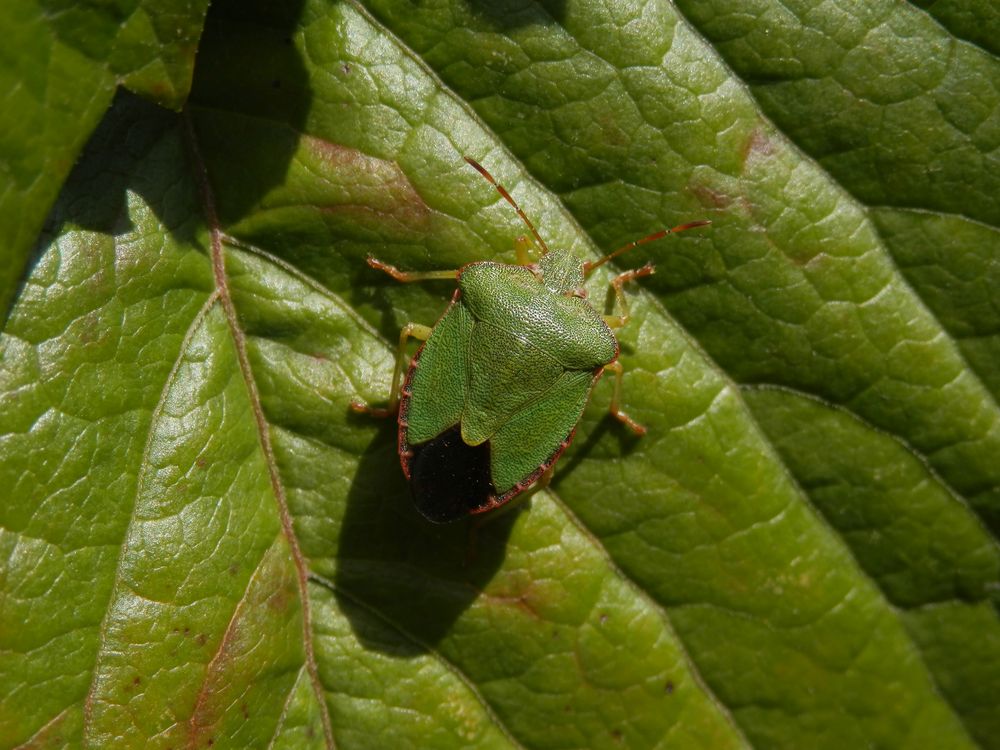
(976, 22)
(58, 71)
(903, 115)
(898, 110)
(690, 589)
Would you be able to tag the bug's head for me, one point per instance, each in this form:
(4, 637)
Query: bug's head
(561, 272)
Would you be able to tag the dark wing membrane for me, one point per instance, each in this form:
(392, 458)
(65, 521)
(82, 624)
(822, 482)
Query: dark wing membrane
(450, 479)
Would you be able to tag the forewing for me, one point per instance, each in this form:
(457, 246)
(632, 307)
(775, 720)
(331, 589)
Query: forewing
(507, 373)
(532, 437)
(437, 380)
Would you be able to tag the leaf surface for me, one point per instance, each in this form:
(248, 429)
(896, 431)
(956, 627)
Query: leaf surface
(205, 546)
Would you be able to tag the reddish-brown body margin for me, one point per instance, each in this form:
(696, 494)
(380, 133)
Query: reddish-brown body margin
(402, 444)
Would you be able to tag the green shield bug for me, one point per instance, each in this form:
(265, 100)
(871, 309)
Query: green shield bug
(492, 397)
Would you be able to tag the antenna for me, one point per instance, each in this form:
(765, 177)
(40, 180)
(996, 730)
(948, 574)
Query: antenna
(591, 265)
(503, 191)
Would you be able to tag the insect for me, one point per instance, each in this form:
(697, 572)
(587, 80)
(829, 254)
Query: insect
(492, 397)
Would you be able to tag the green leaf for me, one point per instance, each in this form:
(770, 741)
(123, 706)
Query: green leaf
(204, 545)
(59, 67)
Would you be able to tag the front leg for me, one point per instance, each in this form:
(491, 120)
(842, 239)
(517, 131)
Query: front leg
(617, 321)
(410, 330)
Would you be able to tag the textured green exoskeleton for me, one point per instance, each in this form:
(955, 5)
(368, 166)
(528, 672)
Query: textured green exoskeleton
(493, 396)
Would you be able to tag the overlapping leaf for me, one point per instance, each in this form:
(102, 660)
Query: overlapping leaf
(59, 66)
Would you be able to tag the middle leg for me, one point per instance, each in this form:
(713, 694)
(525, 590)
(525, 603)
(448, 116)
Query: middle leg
(410, 330)
(617, 321)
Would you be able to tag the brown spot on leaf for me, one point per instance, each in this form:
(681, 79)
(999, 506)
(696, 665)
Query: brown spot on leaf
(669, 687)
(519, 601)
(159, 89)
(612, 132)
(273, 585)
(281, 599)
(758, 144)
(49, 735)
(378, 188)
(710, 197)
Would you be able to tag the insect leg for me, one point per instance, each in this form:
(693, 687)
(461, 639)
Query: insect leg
(616, 412)
(410, 330)
(408, 276)
(617, 321)
(546, 478)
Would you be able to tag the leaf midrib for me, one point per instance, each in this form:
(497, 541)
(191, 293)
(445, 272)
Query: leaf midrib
(201, 177)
